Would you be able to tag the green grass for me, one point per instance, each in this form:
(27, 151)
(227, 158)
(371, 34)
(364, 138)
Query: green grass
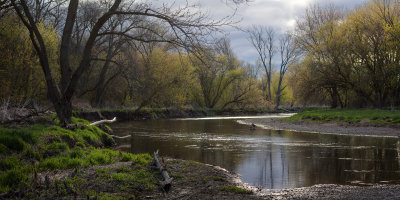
(39, 148)
(348, 115)
(235, 189)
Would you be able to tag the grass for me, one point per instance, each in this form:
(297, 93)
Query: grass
(40, 148)
(234, 189)
(383, 117)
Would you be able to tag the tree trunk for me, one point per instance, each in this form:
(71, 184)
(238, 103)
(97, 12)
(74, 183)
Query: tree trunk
(64, 111)
(278, 93)
(334, 98)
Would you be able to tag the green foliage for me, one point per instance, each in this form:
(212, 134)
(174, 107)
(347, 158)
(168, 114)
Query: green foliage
(21, 76)
(235, 189)
(351, 59)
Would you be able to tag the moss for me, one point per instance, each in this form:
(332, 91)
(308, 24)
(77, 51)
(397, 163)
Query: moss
(235, 189)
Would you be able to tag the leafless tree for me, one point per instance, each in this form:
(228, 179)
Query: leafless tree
(187, 23)
(288, 53)
(262, 38)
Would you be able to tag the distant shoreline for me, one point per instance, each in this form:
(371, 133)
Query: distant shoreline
(357, 129)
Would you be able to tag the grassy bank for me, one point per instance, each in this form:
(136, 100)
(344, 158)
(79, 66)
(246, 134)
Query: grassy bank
(27, 153)
(367, 116)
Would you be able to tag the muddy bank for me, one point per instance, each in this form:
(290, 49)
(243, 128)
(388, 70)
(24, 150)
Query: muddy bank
(359, 129)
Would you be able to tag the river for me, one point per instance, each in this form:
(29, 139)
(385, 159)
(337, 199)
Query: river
(267, 158)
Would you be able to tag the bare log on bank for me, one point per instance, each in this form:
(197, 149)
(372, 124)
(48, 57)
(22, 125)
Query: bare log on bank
(167, 181)
(121, 137)
(103, 121)
(74, 126)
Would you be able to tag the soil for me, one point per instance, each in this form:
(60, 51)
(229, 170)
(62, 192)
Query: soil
(192, 180)
(356, 129)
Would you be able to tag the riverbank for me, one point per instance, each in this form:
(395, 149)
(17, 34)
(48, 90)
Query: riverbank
(336, 192)
(361, 122)
(46, 161)
(167, 113)
(325, 128)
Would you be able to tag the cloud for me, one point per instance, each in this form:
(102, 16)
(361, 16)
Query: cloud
(278, 14)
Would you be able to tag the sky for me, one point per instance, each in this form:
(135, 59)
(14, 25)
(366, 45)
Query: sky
(278, 14)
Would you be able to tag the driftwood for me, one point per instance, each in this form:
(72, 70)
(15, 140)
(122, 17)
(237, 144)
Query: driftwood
(121, 137)
(103, 121)
(74, 126)
(167, 181)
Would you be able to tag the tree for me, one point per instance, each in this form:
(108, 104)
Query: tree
(216, 69)
(187, 26)
(288, 54)
(262, 39)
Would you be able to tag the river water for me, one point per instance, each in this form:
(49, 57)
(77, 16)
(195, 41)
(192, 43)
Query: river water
(267, 158)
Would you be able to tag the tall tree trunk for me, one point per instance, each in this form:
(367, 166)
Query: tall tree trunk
(278, 93)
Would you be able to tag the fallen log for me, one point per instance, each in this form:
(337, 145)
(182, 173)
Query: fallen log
(103, 121)
(121, 137)
(74, 126)
(167, 181)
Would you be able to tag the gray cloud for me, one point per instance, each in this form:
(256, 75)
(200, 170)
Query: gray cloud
(279, 14)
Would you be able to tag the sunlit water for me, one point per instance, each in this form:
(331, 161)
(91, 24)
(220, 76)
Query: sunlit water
(267, 158)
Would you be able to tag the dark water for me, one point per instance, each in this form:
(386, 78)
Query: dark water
(267, 158)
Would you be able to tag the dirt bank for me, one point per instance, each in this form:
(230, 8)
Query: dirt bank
(360, 129)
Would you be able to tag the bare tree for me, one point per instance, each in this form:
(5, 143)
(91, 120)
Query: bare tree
(262, 39)
(188, 24)
(288, 54)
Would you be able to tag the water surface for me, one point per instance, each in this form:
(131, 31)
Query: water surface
(267, 158)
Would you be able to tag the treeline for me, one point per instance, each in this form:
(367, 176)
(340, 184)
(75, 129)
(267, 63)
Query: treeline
(350, 58)
(114, 54)
(135, 62)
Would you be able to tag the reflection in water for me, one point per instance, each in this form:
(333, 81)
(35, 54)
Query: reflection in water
(267, 158)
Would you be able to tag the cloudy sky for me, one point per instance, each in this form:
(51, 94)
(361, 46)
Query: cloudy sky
(279, 14)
